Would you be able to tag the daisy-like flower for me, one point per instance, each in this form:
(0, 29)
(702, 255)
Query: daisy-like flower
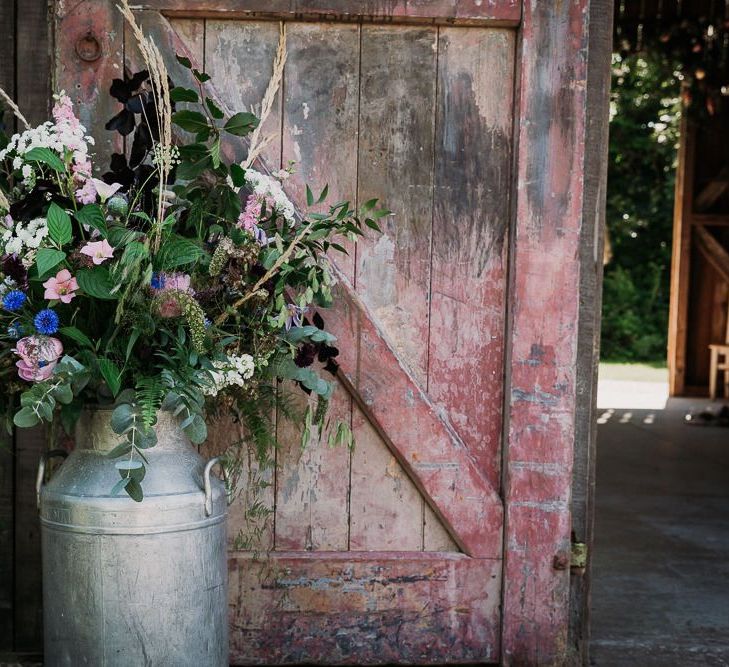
(46, 322)
(99, 251)
(62, 287)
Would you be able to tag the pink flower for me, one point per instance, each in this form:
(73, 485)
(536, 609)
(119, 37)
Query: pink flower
(86, 194)
(104, 190)
(170, 308)
(62, 287)
(99, 251)
(38, 357)
(177, 281)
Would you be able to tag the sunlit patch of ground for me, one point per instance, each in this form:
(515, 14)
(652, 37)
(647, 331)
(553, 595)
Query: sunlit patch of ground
(632, 386)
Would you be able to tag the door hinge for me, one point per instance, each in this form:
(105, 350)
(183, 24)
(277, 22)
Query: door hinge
(579, 555)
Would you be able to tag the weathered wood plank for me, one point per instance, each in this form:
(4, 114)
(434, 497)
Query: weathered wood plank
(367, 608)
(477, 12)
(87, 82)
(239, 57)
(29, 445)
(418, 434)
(591, 259)
(312, 484)
(7, 58)
(544, 321)
(386, 507)
(473, 158)
(320, 119)
(397, 128)
(33, 65)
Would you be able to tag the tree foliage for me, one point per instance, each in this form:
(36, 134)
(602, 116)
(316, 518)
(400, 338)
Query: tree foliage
(644, 124)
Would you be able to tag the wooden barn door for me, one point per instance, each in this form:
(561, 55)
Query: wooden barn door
(461, 312)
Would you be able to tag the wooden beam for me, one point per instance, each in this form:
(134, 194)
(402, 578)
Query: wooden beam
(363, 608)
(712, 251)
(541, 373)
(680, 261)
(710, 219)
(453, 12)
(712, 191)
(588, 343)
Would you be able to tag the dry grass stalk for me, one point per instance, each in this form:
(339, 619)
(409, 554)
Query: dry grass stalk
(267, 103)
(14, 108)
(4, 203)
(159, 83)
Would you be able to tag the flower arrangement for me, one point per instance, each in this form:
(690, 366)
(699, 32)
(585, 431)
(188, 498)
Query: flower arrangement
(178, 280)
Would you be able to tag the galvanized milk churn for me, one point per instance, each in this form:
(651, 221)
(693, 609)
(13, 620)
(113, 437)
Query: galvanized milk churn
(130, 584)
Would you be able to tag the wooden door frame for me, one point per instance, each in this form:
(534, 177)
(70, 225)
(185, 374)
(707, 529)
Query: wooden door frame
(559, 186)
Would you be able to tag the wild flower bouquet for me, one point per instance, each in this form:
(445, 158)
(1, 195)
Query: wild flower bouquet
(176, 281)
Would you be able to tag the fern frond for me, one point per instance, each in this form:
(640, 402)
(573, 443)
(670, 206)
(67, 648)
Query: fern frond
(149, 394)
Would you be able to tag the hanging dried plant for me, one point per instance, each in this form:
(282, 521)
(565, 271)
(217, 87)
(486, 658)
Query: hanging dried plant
(14, 108)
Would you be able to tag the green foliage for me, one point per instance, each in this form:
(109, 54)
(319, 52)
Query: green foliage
(645, 113)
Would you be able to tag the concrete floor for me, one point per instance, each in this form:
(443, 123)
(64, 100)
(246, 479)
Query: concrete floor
(661, 555)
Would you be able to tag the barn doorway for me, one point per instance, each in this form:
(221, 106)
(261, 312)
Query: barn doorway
(660, 571)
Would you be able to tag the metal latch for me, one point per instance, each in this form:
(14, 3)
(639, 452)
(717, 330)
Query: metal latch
(579, 555)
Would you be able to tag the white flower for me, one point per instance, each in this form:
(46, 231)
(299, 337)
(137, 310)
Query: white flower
(231, 371)
(270, 189)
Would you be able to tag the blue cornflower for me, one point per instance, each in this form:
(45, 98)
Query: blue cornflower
(15, 330)
(46, 322)
(158, 280)
(207, 323)
(14, 300)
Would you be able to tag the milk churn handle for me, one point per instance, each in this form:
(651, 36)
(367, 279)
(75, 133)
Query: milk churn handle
(42, 470)
(208, 485)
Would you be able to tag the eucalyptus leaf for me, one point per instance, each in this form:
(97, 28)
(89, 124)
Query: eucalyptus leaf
(25, 418)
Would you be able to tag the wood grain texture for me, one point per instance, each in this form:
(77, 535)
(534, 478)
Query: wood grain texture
(681, 260)
(33, 66)
(87, 83)
(477, 12)
(28, 635)
(591, 259)
(369, 608)
(544, 321)
(7, 58)
(397, 129)
(473, 157)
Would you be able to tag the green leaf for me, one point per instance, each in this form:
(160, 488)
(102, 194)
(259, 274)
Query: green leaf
(48, 259)
(134, 490)
(46, 156)
(183, 95)
(309, 196)
(238, 175)
(59, 225)
(241, 124)
(197, 431)
(133, 337)
(25, 418)
(215, 153)
(122, 418)
(323, 194)
(372, 224)
(63, 394)
(202, 77)
(122, 449)
(214, 109)
(185, 62)
(92, 216)
(178, 251)
(192, 121)
(76, 334)
(188, 171)
(111, 374)
(96, 282)
(121, 484)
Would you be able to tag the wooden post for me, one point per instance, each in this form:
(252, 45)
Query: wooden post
(681, 260)
(542, 393)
